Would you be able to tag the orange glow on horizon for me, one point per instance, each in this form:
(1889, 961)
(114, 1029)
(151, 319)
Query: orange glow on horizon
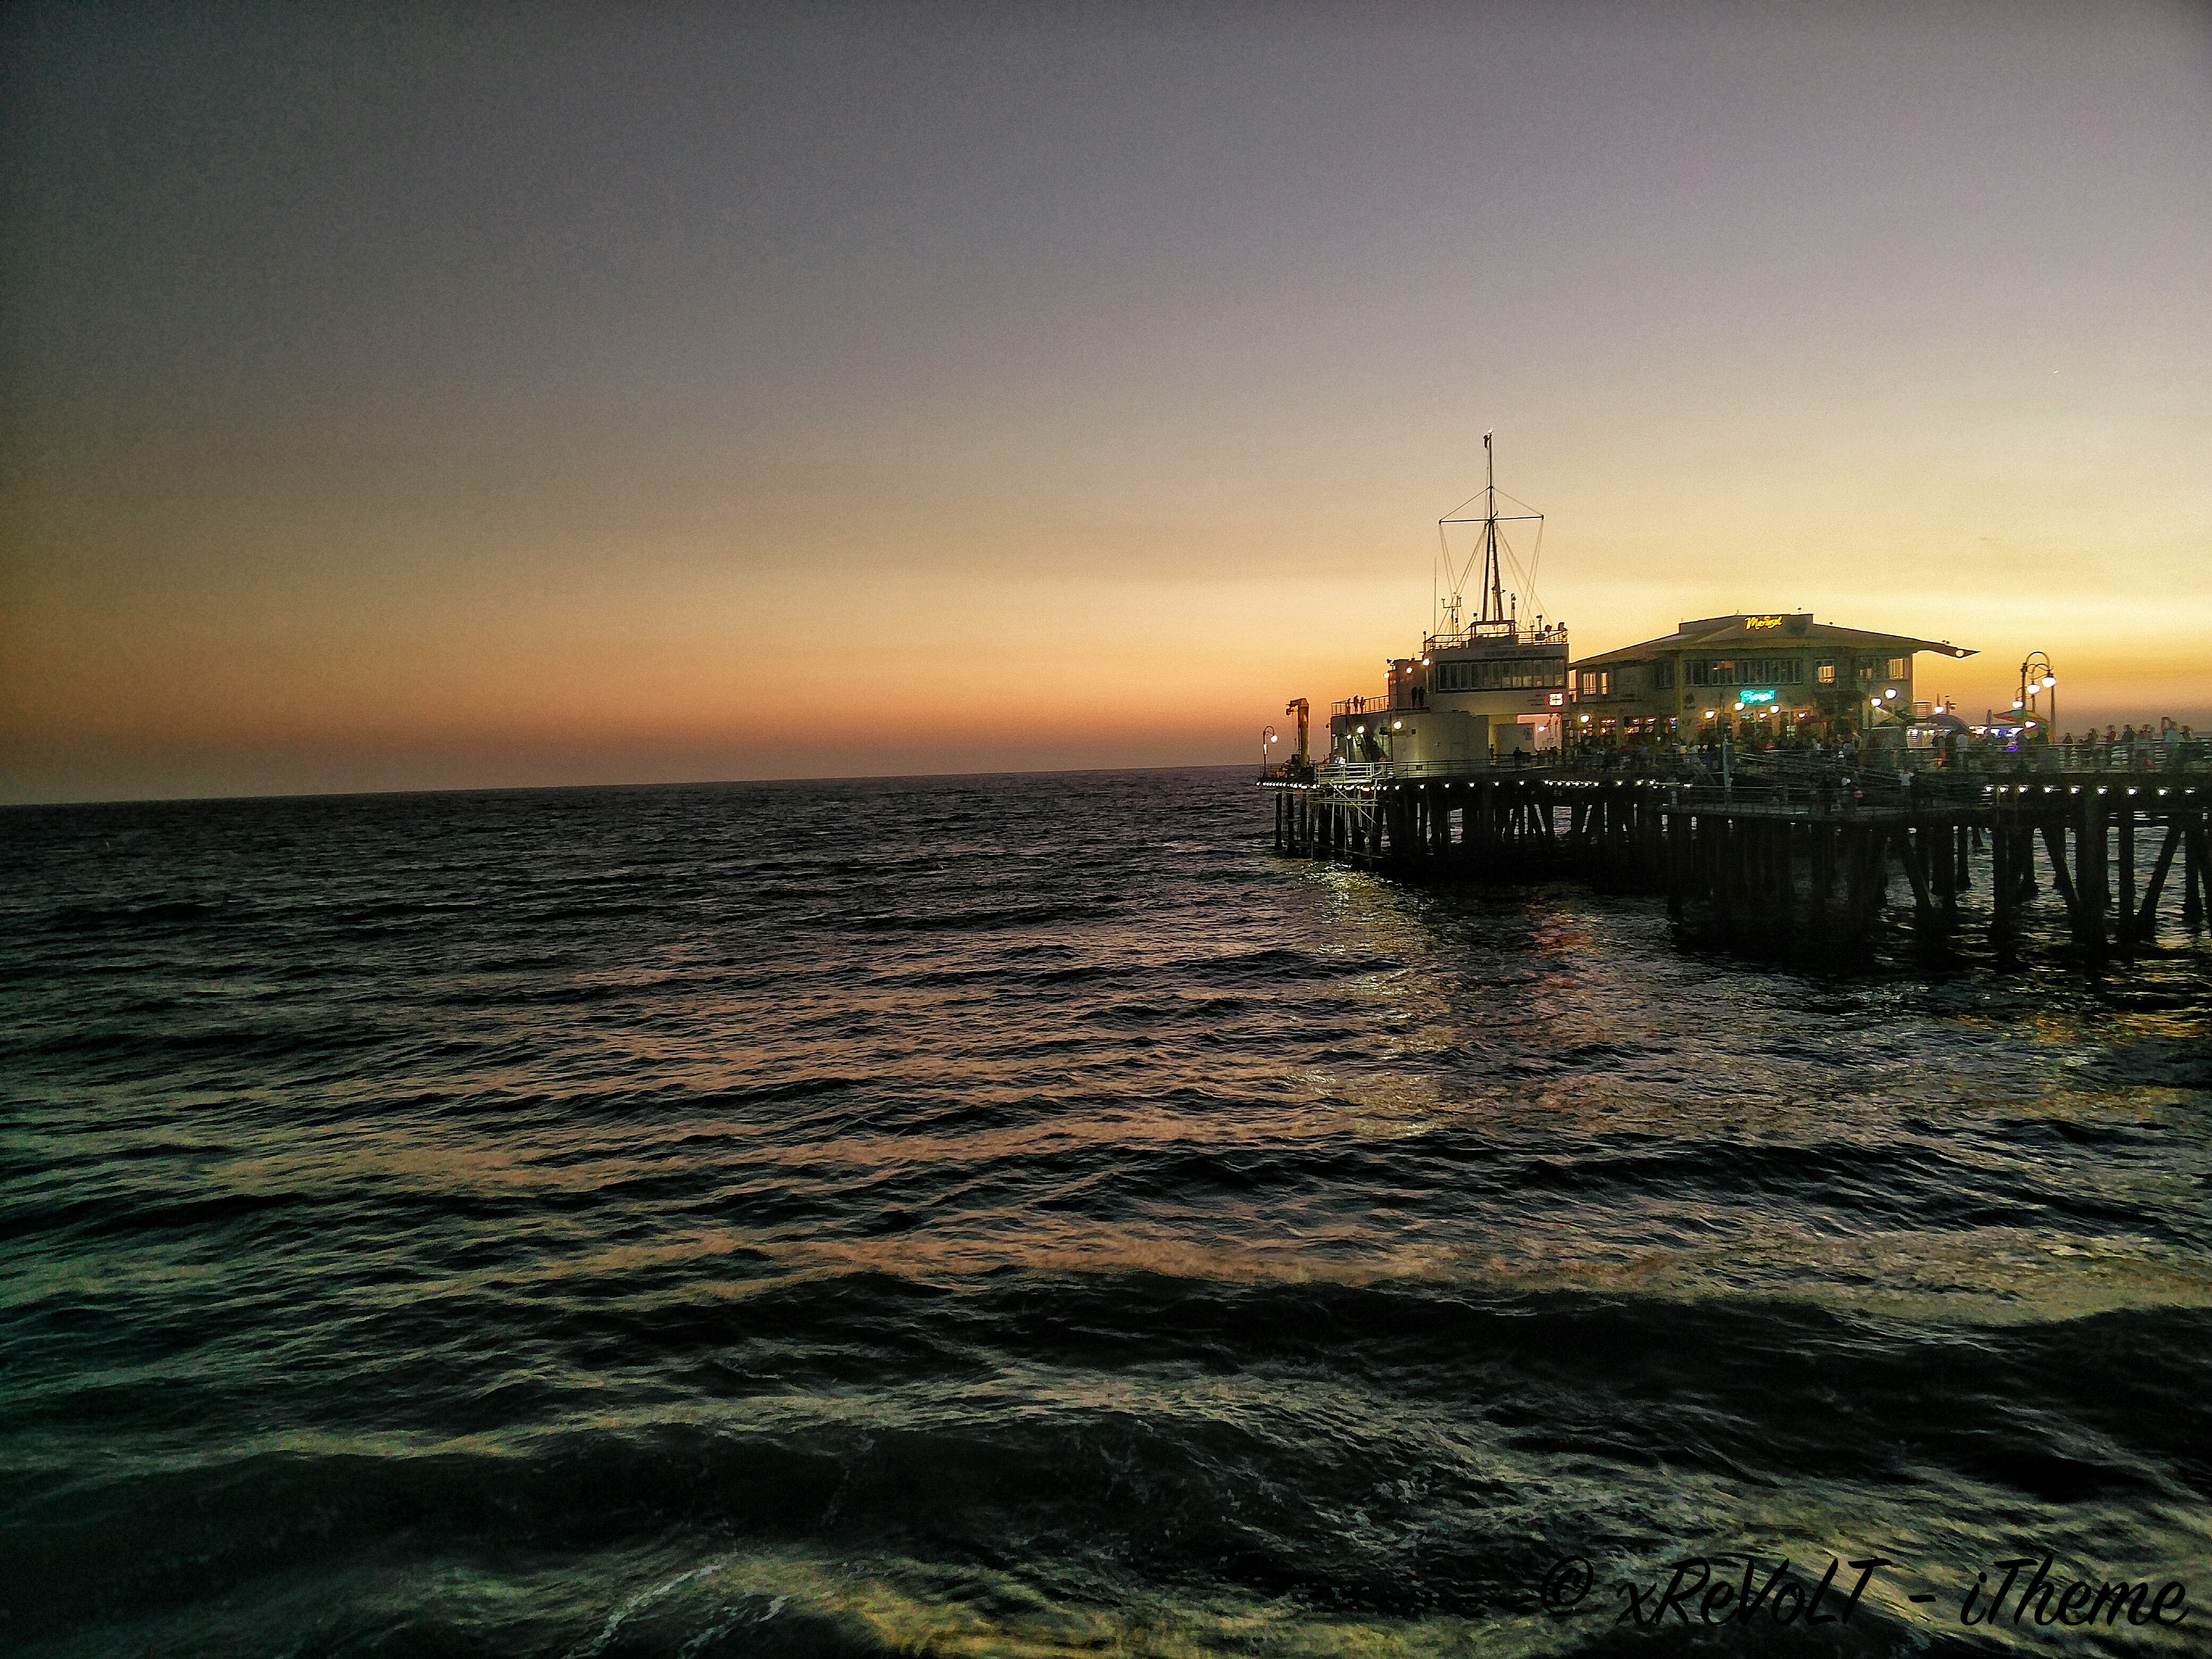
(872, 428)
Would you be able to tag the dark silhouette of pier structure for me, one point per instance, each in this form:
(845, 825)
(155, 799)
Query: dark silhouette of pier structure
(1784, 853)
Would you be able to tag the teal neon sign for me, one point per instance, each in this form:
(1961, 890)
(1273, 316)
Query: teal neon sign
(1754, 697)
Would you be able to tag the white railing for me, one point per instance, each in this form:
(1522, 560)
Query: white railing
(1505, 633)
(1377, 704)
(1365, 772)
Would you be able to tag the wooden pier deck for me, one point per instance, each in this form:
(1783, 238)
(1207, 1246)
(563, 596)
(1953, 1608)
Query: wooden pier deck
(1830, 859)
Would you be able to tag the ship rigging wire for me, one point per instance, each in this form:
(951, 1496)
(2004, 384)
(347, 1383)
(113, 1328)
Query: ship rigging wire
(1496, 552)
(1455, 573)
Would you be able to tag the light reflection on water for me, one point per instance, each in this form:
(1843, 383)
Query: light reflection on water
(1011, 1215)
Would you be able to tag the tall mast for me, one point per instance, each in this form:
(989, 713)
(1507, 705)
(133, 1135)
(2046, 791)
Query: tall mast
(1493, 594)
(1492, 606)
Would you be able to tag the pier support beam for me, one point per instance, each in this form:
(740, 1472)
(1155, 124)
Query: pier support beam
(1737, 857)
(2193, 875)
(2092, 896)
(2124, 836)
(2145, 927)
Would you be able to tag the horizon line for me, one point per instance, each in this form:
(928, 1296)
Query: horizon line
(553, 788)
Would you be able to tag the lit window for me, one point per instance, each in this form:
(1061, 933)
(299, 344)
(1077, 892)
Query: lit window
(1899, 667)
(1824, 673)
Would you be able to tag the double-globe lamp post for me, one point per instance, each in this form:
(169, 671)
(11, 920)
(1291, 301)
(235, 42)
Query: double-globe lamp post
(2037, 680)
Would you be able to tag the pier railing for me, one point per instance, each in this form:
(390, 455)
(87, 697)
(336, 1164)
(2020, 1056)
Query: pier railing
(1366, 772)
(2144, 755)
(1500, 633)
(1830, 779)
(1377, 704)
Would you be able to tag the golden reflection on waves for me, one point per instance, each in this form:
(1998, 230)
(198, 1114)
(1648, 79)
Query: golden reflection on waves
(686, 1218)
(1560, 1040)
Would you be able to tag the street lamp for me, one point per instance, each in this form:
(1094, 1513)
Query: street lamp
(2037, 680)
(1267, 740)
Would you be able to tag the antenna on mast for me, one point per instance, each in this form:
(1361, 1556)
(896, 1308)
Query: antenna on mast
(1493, 601)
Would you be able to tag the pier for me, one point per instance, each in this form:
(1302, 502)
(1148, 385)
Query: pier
(1788, 851)
(1779, 777)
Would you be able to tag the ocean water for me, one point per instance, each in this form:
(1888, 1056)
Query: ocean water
(1023, 1215)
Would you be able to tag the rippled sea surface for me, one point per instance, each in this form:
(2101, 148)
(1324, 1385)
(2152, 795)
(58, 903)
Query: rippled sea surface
(1022, 1215)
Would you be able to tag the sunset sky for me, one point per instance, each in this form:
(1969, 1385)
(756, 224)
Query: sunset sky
(416, 397)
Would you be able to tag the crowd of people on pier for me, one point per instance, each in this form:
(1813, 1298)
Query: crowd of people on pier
(2127, 735)
(2171, 745)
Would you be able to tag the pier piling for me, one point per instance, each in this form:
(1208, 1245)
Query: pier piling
(1808, 860)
